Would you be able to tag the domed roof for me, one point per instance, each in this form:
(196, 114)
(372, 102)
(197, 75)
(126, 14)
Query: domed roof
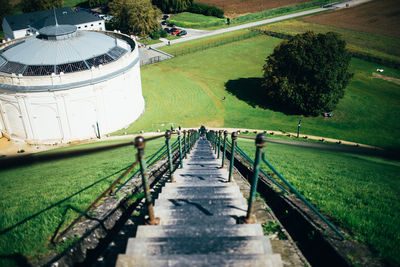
(60, 48)
(58, 32)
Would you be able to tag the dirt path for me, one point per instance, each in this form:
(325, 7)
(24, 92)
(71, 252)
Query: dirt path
(304, 136)
(386, 78)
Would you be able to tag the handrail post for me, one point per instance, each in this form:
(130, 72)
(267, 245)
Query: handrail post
(167, 138)
(140, 145)
(224, 149)
(180, 149)
(189, 145)
(234, 137)
(215, 142)
(219, 142)
(260, 143)
(184, 143)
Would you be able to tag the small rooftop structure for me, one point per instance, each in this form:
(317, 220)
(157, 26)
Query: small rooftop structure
(16, 26)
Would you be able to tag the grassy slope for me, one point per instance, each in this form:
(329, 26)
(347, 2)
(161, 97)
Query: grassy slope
(212, 23)
(360, 193)
(188, 91)
(72, 3)
(370, 43)
(190, 20)
(28, 189)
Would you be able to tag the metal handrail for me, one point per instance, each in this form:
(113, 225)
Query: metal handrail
(299, 195)
(262, 171)
(137, 171)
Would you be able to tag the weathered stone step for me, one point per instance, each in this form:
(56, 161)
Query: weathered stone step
(201, 260)
(198, 178)
(199, 230)
(203, 171)
(199, 190)
(205, 220)
(190, 195)
(200, 201)
(198, 212)
(197, 182)
(199, 245)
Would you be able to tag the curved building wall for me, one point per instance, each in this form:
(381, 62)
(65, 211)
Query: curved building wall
(66, 107)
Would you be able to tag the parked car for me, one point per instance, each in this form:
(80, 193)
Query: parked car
(165, 17)
(181, 33)
(167, 30)
(171, 25)
(163, 22)
(176, 31)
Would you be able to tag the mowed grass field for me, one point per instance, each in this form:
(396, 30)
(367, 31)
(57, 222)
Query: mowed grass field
(195, 21)
(189, 91)
(359, 193)
(35, 188)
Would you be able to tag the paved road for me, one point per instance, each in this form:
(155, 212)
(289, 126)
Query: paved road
(196, 34)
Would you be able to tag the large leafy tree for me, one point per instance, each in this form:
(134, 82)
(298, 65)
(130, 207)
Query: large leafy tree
(5, 9)
(37, 5)
(94, 3)
(308, 73)
(173, 6)
(137, 17)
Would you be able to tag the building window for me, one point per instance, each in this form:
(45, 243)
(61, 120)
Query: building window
(79, 27)
(99, 23)
(91, 25)
(85, 26)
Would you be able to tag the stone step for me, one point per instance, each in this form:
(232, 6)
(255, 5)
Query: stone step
(200, 201)
(202, 165)
(198, 212)
(190, 195)
(186, 169)
(199, 230)
(199, 190)
(205, 220)
(199, 245)
(193, 178)
(201, 260)
(196, 182)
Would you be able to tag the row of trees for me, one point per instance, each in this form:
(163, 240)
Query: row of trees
(37, 5)
(173, 6)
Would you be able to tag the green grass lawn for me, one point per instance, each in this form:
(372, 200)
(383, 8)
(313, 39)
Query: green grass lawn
(73, 3)
(149, 41)
(359, 193)
(198, 21)
(195, 21)
(29, 189)
(368, 43)
(188, 91)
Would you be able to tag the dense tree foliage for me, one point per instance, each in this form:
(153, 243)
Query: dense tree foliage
(94, 3)
(137, 17)
(173, 6)
(207, 10)
(308, 73)
(37, 5)
(5, 9)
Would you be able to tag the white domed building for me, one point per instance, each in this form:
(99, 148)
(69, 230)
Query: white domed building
(65, 84)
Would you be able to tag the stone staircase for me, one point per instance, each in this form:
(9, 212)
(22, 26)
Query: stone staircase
(198, 226)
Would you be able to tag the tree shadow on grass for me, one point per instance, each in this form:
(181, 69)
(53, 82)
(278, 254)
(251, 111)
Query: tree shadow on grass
(250, 91)
(16, 258)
